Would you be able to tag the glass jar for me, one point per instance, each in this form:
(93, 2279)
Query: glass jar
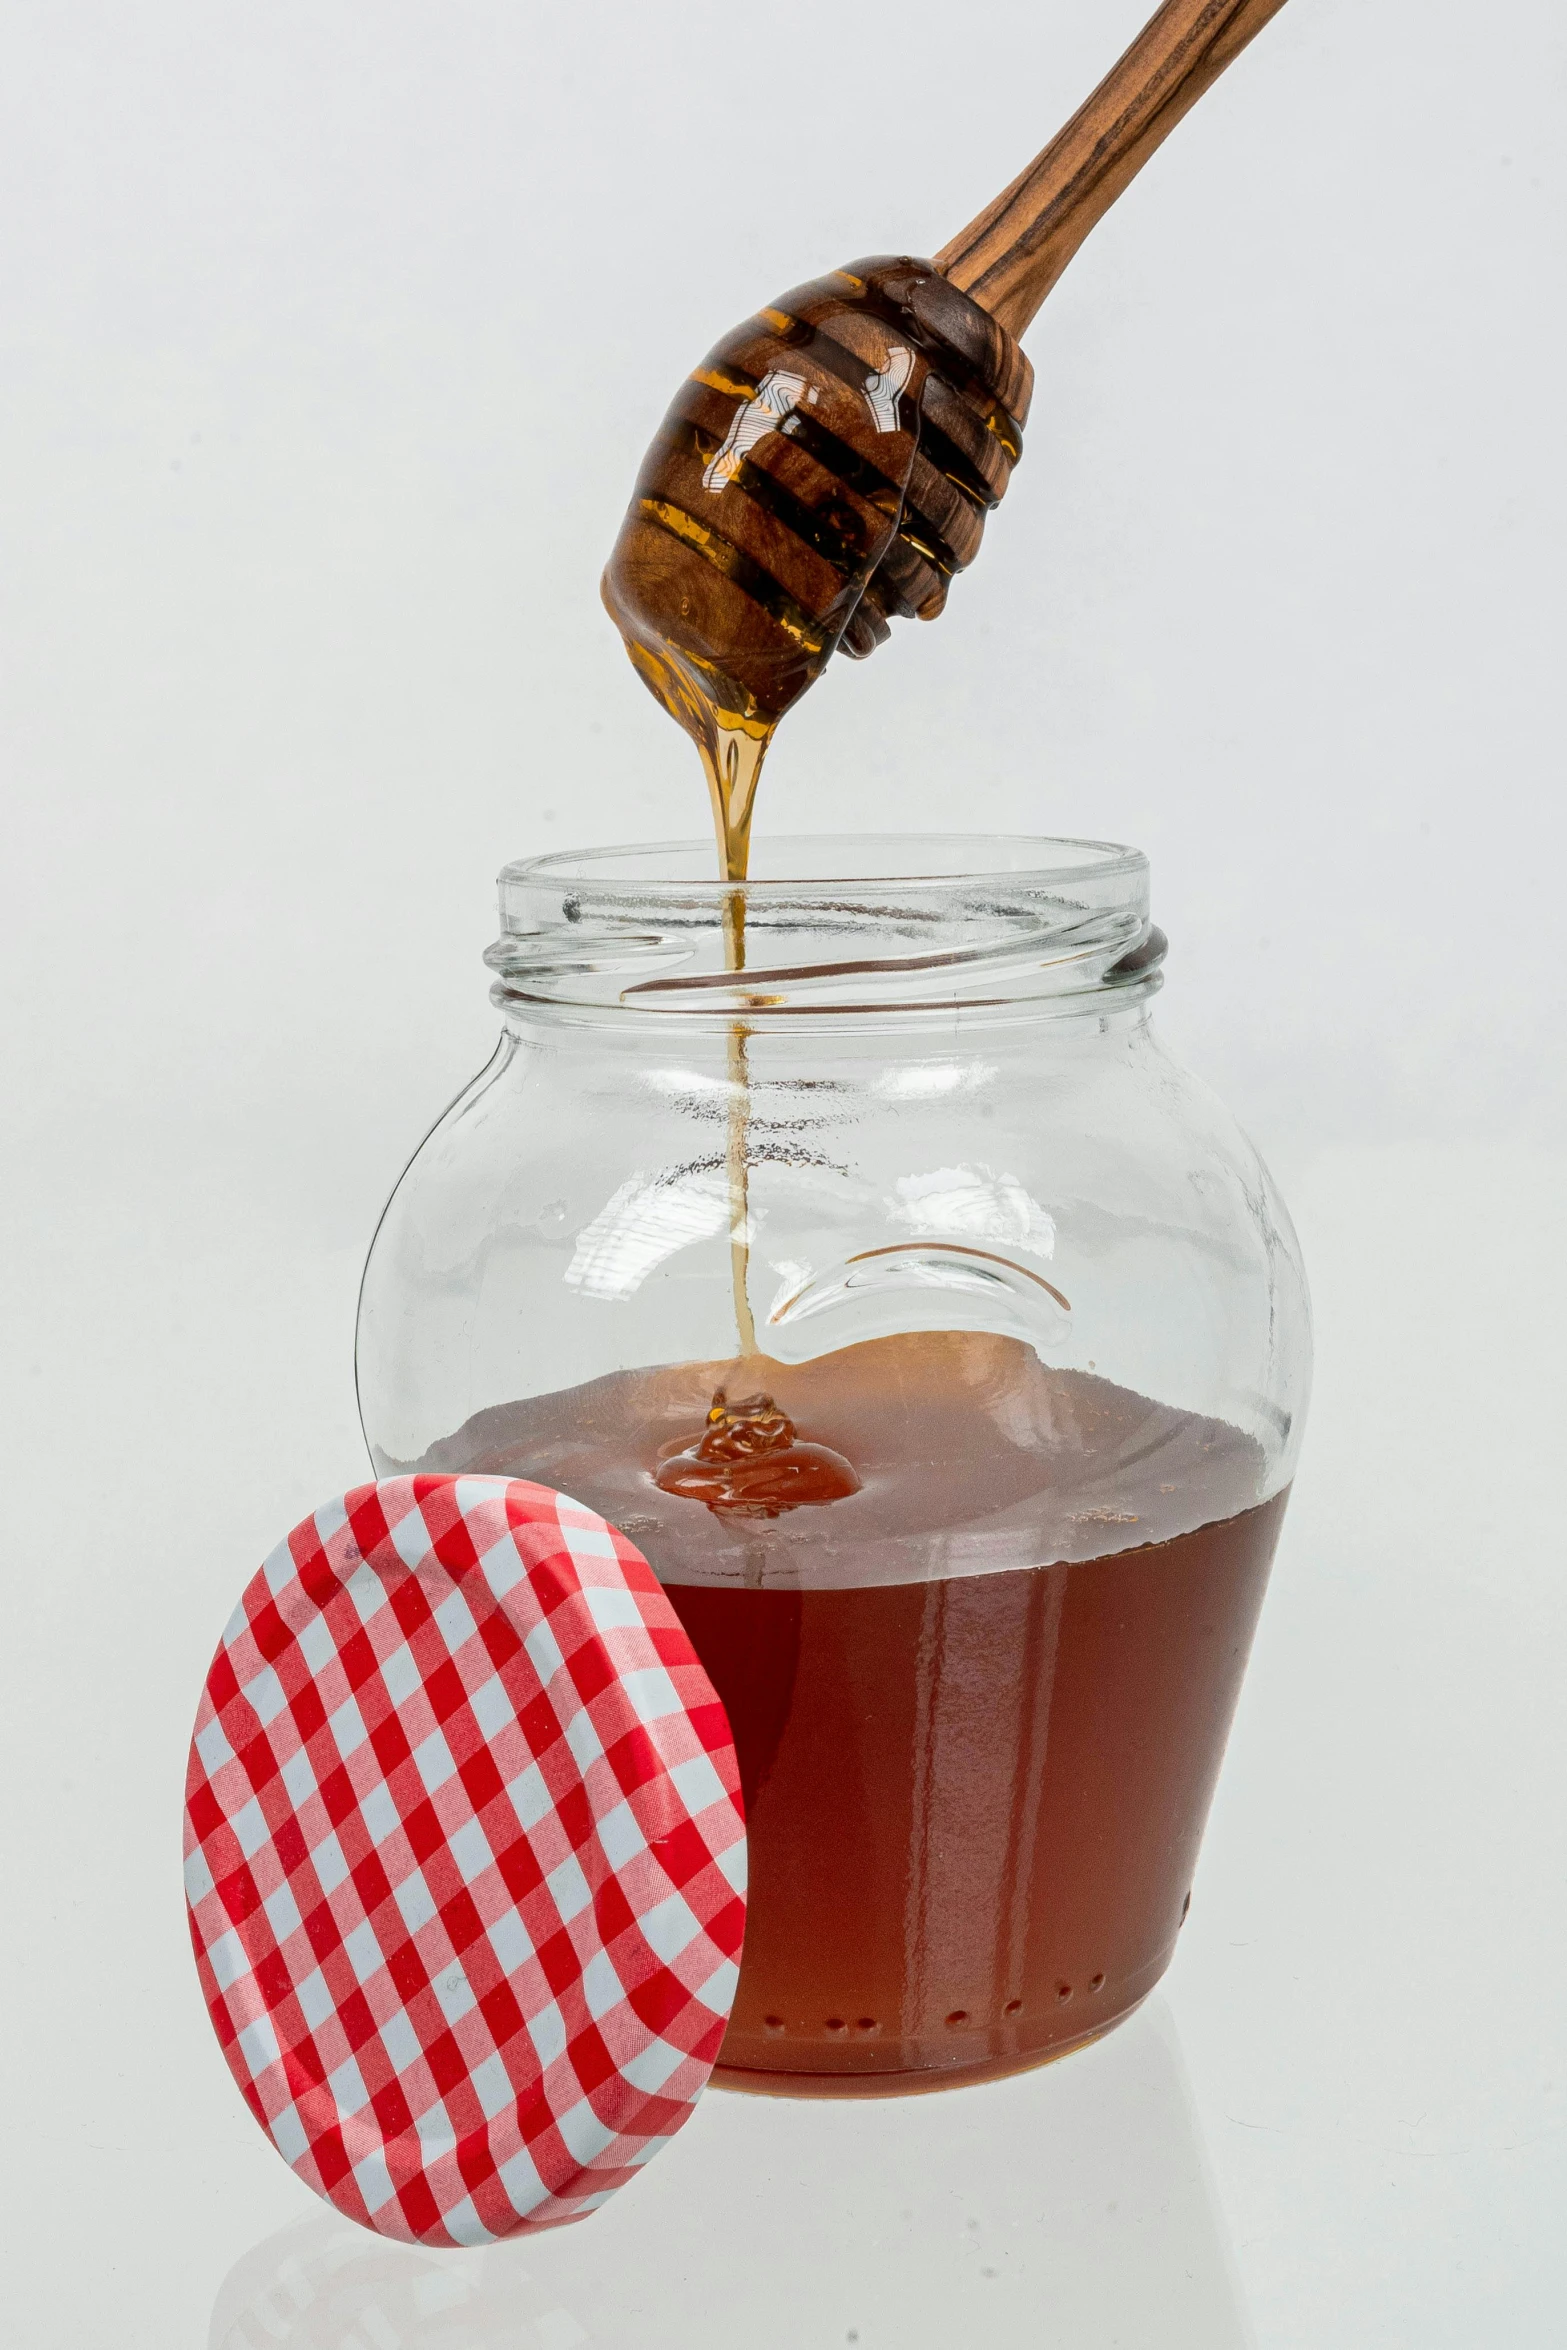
(849, 1239)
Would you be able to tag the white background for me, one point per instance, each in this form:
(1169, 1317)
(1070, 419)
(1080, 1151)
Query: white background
(333, 335)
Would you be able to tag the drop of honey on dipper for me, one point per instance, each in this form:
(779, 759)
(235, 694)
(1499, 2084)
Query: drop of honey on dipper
(749, 1463)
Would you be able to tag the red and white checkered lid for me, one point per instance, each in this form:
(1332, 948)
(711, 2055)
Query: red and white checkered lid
(465, 1857)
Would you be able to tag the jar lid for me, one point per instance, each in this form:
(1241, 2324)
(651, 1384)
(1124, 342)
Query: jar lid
(465, 1857)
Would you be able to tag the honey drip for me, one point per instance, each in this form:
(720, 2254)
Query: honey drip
(731, 742)
(732, 746)
(749, 1463)
(733, 766)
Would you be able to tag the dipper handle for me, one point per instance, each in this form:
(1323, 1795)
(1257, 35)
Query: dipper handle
(1008, 258)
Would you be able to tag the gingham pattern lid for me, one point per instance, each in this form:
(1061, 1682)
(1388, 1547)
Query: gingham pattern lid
(465, 1857)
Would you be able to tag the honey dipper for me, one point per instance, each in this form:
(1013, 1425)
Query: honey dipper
(829, 466)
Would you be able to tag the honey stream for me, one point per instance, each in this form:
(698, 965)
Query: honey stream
(747, 1458)
(732, 762)
(732, 745)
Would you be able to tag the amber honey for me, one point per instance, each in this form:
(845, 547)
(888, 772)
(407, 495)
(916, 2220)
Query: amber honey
(974, 1805)
(980, 1687)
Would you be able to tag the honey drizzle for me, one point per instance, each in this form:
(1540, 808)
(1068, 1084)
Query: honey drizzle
(732, 745)
(732, 762)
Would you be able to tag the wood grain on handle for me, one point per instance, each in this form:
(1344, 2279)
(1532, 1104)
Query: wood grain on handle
(1010, 257)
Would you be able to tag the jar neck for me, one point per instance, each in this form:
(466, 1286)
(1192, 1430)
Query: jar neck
(1101, 1011)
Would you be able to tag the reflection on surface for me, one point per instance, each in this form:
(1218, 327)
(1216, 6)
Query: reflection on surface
(1071, 2205)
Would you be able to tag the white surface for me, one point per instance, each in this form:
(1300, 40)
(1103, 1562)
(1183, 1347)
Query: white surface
(922, 2228)
(332, 346)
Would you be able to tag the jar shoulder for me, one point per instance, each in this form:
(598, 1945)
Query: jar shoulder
(1102, 1132)
(1081, 1192)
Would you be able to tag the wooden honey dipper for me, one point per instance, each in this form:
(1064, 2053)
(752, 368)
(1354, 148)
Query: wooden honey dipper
(829, 466)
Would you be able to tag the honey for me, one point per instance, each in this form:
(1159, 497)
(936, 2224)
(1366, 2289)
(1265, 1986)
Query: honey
(973, 1805)
(980, 1692)
(749, 1460)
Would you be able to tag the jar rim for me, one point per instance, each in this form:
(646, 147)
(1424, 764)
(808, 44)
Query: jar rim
(844, 923)
(787, 863)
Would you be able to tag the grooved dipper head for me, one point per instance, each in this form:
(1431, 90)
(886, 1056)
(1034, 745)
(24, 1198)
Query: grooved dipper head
(826, 469)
